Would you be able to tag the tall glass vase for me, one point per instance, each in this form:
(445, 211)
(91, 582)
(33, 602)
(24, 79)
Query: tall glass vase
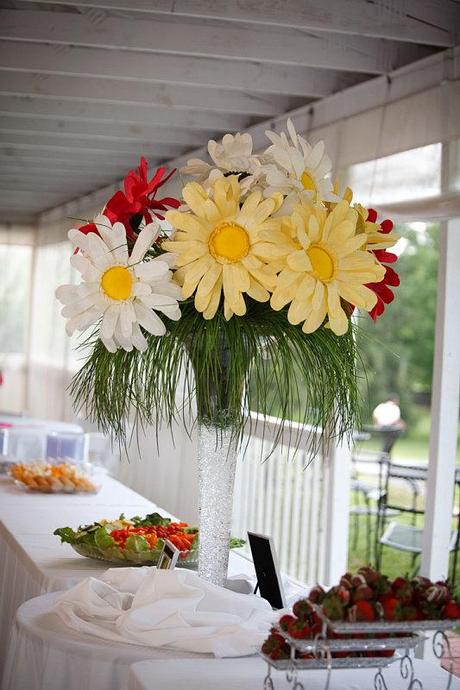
(217, 455)
(218, 388)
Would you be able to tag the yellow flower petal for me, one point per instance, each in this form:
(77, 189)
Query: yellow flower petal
(299, 261)
(257, 292)
(195, 272)
(213, 305)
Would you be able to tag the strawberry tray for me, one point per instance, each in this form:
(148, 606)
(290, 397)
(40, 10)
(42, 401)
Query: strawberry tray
(328, 663)
(409, 641)
(408, 627)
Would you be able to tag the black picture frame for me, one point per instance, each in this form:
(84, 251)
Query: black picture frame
(266, 567)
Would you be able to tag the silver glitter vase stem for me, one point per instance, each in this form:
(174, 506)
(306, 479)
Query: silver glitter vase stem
(217, 455)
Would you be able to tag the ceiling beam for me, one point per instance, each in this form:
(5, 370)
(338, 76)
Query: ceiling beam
(376, 92)
(205, 39)
(51, 156)
(172, 69)
(197, 98)
(127, 136)
(87, 147)
(433, 22)
(76, 110)
(26, 160)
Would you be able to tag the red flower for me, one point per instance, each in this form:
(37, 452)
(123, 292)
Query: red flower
(137, 202)
(391, 278)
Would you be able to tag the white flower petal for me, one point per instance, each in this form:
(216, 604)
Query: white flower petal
(138, 338)
(145, 239)
(149, 320)
(151, 270)
(109, 321)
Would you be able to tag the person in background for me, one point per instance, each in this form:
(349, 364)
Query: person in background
(387, 419)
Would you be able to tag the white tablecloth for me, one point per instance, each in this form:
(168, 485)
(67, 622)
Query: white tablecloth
(248, 674)
(33, 561)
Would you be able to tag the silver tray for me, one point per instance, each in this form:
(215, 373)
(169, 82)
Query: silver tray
(385, 626)
(409, 641)
(321, 664)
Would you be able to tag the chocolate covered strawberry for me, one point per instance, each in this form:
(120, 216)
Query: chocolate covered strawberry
(363, 592)
(403, 590)
(370, 575)
(317, 594)
(346, 581)
(438, 593)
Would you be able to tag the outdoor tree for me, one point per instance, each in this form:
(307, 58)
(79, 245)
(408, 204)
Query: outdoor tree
(397, 351)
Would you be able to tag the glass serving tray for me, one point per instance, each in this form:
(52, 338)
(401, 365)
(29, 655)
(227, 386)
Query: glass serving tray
(58, 490)
(385, 626)
(409, 641)
(114, 555)
(332, 663)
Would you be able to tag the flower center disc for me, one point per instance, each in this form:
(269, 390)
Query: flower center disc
(228, 243)
(307, 181)
(117, 283)
(321, 261)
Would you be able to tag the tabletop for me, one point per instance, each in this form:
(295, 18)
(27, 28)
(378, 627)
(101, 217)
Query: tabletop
(249, 673)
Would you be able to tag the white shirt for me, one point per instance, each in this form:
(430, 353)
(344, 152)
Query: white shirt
(387, 414)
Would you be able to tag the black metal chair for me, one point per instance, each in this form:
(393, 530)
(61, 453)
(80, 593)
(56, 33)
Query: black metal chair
(408, 537)
(368, 497)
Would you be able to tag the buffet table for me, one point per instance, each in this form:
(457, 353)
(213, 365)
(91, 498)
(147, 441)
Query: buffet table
(44, 654)
(33, 561)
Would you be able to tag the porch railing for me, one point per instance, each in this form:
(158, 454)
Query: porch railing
(284, 495)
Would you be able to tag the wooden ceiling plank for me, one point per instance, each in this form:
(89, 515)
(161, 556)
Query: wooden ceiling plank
(87, 146)
(433, 22)
(103, 90)
(121, 113)
(271, 44)
(256, 77)
(130, 135)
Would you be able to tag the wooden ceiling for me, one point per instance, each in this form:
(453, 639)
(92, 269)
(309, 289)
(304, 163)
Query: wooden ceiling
(87, 87)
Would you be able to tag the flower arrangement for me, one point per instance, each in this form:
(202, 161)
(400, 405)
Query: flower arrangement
(250, 296)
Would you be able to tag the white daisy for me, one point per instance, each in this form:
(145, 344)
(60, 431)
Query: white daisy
(232, 154)
(122, 291)
(297, 170)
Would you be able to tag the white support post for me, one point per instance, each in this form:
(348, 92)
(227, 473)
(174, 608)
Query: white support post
(444, 408)
(336, 510)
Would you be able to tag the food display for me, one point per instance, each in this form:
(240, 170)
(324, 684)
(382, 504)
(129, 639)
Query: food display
(137, 541)
(365, 616)
(52, 478)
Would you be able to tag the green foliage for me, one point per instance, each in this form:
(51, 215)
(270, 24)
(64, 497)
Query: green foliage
(397, 351)
(256, 362)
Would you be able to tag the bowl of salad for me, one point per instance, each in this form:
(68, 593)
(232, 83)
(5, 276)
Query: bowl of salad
(137, 541)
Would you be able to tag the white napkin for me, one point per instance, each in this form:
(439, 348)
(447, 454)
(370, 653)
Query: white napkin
(166, 608)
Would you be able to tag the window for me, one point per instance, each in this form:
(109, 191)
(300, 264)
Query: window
(16, 266)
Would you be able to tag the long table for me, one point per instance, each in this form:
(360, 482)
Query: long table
(32, 559)
(44, 654)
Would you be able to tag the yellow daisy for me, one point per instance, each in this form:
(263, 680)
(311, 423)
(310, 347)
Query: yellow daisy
(324, 263)
(376, 239)
(216, 245)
